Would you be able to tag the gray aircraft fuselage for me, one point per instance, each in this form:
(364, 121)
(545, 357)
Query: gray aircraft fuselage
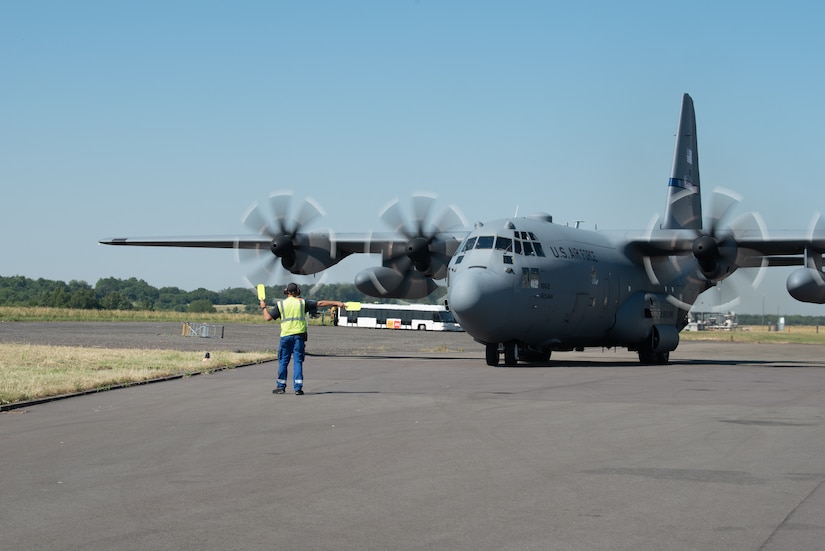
(543, 286)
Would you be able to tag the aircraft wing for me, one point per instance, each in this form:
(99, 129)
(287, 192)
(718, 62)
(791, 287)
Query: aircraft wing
(206, 242)
(343, 244)
(782, 248)
(784, 244)
(410, 263)
(416, 251)
(718, 254)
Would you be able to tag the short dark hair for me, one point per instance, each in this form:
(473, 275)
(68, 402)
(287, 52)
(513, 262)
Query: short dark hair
(292, 289)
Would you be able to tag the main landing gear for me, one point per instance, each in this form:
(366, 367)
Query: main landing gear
(649, 357)
(656, 351)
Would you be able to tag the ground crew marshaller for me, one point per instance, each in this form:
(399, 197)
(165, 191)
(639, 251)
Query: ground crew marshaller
(292, 312)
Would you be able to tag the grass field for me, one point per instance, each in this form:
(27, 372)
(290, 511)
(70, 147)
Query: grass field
(14, 313)
(798, 334)
(29, 372)
(223, 316)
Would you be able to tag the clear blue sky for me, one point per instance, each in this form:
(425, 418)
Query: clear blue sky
(160, 118)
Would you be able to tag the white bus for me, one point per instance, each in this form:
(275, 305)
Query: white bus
(422, 317)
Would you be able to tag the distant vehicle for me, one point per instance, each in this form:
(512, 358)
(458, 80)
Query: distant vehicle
(421, 317)
(712, 321)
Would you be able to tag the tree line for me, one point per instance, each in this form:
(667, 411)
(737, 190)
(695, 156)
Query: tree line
(759, 319)
(135, 294)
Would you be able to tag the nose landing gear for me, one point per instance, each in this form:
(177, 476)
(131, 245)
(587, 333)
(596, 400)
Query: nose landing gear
(510, 349)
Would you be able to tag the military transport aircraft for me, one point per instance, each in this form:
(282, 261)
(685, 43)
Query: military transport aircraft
(526, 286)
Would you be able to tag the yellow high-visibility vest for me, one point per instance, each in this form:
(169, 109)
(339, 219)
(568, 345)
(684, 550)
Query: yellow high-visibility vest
(293, 316)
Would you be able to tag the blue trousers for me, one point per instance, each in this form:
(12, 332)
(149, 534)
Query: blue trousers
(291, 345)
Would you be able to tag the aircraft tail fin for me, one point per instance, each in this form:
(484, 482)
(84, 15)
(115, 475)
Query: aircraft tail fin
(684, 200)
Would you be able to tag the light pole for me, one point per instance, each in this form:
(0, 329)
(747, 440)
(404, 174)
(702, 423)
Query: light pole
(763, 311)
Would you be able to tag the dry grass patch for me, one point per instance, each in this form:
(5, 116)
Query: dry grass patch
(29, 372)
(442, 348)
(224, 315)
(37, 313)
(797, 334)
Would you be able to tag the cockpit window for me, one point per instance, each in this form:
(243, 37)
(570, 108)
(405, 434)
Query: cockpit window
(504, 244)
(522, 242)
(485, 242)
(530, 278)
(469, 244)
(527, 243)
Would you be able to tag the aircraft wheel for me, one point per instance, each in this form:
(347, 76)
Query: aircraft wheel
(492, 354)
(531, 355)
(647, 357)
(510, 353)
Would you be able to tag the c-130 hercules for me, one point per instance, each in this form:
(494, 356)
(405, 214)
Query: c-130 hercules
(528, 286)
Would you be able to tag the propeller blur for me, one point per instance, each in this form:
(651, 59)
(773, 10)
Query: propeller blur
(527, 287)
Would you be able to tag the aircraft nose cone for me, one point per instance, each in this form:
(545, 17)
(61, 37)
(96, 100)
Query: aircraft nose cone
(465, 295)
(479, 299)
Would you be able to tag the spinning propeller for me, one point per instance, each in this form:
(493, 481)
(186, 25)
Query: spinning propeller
(425, 250)
(283, 223)
(410, 266)
(710, 254)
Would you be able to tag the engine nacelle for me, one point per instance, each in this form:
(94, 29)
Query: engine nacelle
(383, 282)
(305, 253)
(664, 338)
(429, 256)
(807, 285)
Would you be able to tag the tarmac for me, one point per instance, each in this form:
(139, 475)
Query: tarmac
(408, 441)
